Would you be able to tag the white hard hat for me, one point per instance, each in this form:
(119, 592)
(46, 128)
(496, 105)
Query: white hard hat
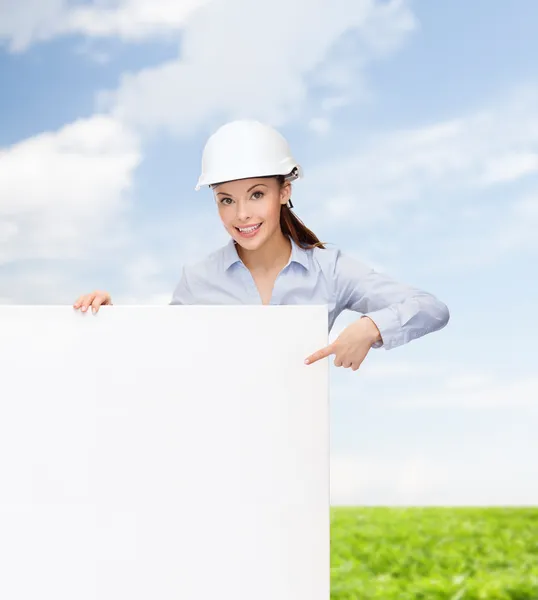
(244, 149)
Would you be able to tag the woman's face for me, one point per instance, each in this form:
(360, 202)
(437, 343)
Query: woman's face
(250, 209)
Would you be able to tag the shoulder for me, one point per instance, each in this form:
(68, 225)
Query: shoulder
(322, 258)
(331, 260)
(343, 272)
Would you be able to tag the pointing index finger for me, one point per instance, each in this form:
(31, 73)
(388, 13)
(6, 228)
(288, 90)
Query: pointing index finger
(323, 353)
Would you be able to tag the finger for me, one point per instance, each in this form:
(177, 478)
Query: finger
(354, 367)
(323, 353)
(78, 302)
(96, 303)
(337, 362)
(86, 302)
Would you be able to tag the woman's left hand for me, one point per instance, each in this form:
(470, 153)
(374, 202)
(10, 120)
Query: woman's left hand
(351, 346)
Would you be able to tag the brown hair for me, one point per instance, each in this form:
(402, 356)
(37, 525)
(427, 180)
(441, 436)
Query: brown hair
(292, 226)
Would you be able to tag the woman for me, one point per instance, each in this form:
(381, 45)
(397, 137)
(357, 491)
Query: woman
(272, 258)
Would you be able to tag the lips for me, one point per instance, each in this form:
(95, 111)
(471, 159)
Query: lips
(249, 229)
(249, 232)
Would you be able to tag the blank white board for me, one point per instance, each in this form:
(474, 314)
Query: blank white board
(159, 453)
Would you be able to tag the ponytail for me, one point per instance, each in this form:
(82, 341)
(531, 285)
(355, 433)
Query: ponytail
(293, 227)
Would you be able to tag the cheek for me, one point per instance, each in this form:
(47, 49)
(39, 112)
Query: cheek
(272, 211)
(225, 214)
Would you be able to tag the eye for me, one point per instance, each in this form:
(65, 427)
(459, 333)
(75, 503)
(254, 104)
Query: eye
(223, 201)
(257, 195)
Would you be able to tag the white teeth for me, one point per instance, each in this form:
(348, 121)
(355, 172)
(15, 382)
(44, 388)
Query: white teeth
(248, 229)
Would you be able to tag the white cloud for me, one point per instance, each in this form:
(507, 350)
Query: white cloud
(333, 102)
(527, 207)
(466, 479)
(131, 19)
(501, 169)
(487, 461)
(469, 382)
(420, 384)
(59, 190)
(146, 269)
(390, 172)
(512, 229)
(320, 125)
(367, 480)
(52, 283)
(474, 391)
(391, 369)
(26, 22)
(240, 58)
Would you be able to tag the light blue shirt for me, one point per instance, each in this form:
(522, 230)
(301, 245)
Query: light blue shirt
(318, 276)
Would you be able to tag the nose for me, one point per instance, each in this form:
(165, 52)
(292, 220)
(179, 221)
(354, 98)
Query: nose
(242, 211)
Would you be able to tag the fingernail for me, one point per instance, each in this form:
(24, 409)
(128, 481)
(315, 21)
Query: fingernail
(307, 362)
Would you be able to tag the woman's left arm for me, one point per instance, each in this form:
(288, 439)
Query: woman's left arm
(396, 312)
(400, 311)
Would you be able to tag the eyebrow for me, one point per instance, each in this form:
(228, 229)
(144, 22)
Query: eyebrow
(250, 188)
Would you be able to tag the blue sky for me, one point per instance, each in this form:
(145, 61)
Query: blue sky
(417, 126)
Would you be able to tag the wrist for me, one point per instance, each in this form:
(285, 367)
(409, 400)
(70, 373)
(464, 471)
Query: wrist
(375, 334)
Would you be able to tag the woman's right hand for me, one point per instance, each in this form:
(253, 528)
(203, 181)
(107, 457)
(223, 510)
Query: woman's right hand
(95, 300)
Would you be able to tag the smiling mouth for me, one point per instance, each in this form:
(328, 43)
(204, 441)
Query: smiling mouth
(250, 229)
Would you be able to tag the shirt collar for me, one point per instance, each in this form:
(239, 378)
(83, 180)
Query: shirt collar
(298, 255)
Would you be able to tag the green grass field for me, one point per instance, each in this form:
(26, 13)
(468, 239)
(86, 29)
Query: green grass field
(434, 553)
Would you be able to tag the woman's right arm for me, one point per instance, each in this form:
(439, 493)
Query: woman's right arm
(94, 299)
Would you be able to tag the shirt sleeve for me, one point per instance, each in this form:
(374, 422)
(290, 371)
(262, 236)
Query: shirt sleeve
(183, 292)
(401, 312)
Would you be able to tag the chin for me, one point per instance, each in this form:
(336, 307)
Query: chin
(252, 244)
